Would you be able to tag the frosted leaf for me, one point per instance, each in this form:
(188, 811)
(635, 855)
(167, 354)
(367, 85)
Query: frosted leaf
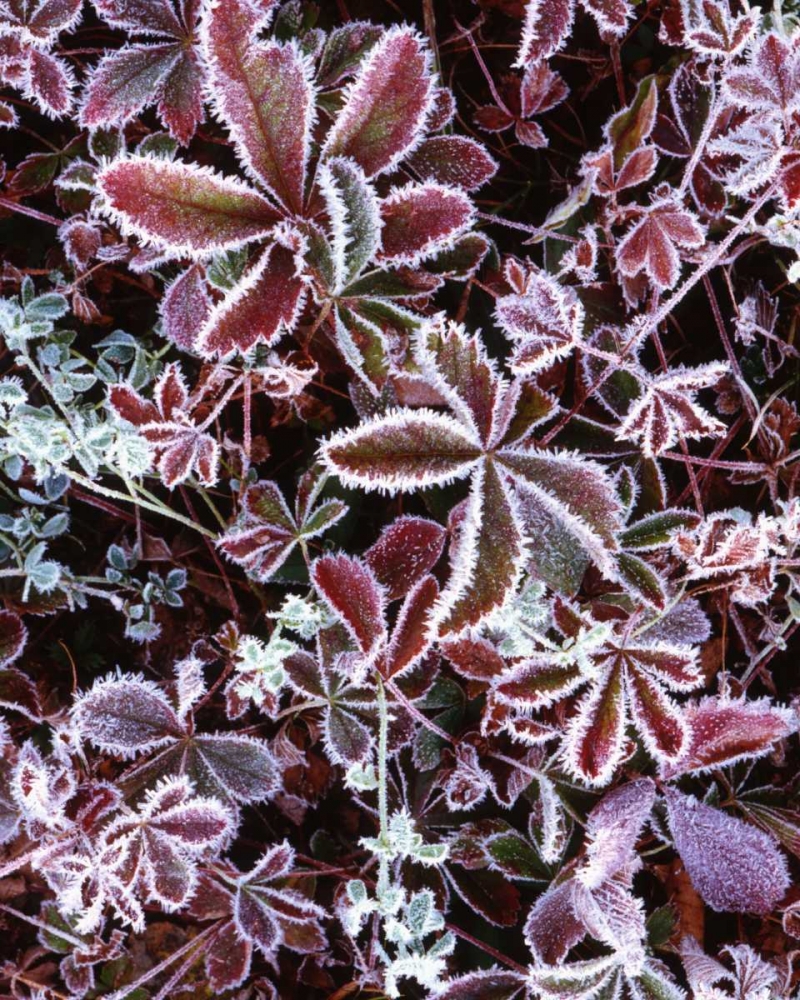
(260, 675)
(734, 866)
(667, 409)
(712, 29)
(757, 146)
(126, 715)
(545, 28)
(651, 245)
(181, 208)
(190, 683)
(420, 221)
(554, 925)
(352, 592)
(402, 451)
(266, 532)
(613, 826)
(153, 853)
(408, 449)
(407, 549)
(544, 319)
(348, 739)
(239, 321)
(13, 636)
(185, 307)
(271, 915)
(725, 731)
(41, 790)
(453, 160)
(751, 978)
(386, 105)
(493, 984)
(263, 92)
(180, 446)
(771, 79)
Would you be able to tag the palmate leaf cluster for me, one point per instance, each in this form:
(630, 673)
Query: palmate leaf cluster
(400, 402)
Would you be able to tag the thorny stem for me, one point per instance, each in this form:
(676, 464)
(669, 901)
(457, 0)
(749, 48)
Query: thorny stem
(232, 388)
(126, 991)
(699, 146)
(383, 807)
(43, 925)
(415, 712)
(161, 509)
(32, 213)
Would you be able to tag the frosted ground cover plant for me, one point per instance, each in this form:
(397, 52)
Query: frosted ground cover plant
(399, 516)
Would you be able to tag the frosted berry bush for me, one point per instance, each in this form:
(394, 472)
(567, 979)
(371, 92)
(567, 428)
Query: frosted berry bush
(399, 500)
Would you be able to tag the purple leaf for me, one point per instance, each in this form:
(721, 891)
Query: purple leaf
(734, 866)
(126, 715)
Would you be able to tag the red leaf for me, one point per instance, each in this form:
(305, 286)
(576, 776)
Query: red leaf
(266, 535)
(140, 16)
(18, 692)
(771, 80)
(459, 367)
(125, 82)
(650, 246)
(181, 102)
(408, 549)
(240, 321)
(353, 593)
(257, 922)
(185, 307)
(403, 451)
(387, 104)
(595, 738)
(453, 160)
(264, 93)
(723, 732)
(491, 985)
(476, 659)
(47, 17)
(130, 406)
(662, 726)
(410, 638)
(227, 960)
(545, 29)
(493, 119)
(553, 927)
(126, 715)
(50, 82)
(487, 558)
(181, 207)
(13, 635)
(541, 90)
(421, 220)
(611, 15)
